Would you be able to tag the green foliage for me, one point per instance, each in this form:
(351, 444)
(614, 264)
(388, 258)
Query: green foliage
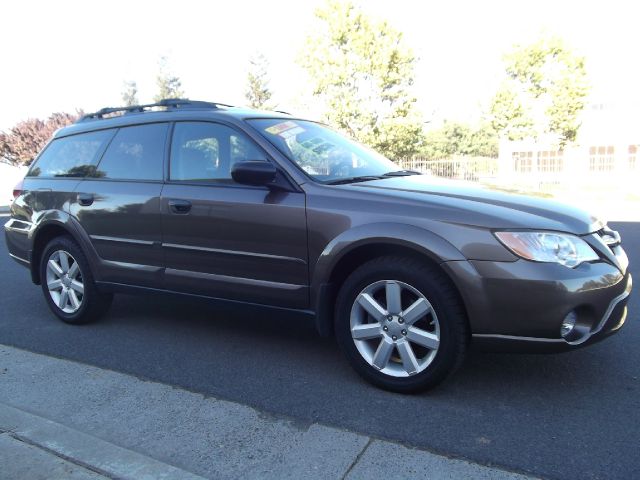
(130, 93)
(508, 114)
(544, 92)
(455, 138)
(258, 93)
(363, 73)
(169, 85)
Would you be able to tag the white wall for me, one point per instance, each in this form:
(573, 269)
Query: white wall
(9, 176)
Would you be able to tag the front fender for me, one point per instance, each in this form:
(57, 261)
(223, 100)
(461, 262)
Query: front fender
(415, 238)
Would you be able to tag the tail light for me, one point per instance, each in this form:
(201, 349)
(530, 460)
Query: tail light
(17, 190)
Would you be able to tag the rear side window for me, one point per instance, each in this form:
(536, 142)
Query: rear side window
(204, 151)
(73, 156)
(135, 153)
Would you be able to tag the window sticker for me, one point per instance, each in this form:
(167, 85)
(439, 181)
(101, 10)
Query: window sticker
(291, 133)
(282, 127)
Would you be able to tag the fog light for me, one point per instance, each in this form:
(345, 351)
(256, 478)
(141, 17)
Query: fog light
(568, 324)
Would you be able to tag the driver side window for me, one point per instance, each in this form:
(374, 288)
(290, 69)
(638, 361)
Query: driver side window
(205, 151)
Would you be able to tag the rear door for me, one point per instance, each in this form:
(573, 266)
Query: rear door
(224, 239)
(118, 205)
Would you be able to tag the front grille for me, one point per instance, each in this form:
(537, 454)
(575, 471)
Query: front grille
(611, 238)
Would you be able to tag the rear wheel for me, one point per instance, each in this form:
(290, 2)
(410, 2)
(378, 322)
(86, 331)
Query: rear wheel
(401, 324)
(67, 283)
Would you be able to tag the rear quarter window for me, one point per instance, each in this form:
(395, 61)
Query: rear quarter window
(73, 156)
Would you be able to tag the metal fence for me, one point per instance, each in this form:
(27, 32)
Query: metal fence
(538, 173)
(460, 168)
(609, 189)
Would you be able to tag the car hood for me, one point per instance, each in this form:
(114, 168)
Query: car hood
(488, 207)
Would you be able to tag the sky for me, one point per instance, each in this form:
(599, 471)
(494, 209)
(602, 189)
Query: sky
(63, 55)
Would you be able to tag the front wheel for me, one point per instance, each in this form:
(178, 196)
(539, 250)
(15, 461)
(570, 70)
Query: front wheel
(67, 283)
(401, 324)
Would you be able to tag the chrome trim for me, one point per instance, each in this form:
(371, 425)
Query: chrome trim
(21, 260)
(611, 238)
(614, 303)
(9, 226)
(237, 280)
(121, 240)
(234, 252)
(515, 337)
(132, 266)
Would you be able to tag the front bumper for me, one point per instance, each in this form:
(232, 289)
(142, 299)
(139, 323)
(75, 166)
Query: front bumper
(520, 306)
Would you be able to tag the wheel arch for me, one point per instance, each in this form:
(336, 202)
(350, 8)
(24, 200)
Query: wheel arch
(49, 227)
(357, 246)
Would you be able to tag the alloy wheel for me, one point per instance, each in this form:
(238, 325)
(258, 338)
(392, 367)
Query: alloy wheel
(395, 328)
(64, 281)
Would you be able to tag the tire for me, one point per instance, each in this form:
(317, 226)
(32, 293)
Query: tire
(393, 346)
(68, 285)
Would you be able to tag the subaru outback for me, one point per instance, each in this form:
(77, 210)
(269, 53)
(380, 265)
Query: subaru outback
(243, 206)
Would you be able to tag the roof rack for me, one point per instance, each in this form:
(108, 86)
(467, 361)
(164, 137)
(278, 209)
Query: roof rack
(167, 103)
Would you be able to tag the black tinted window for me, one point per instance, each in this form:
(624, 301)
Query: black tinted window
(73, 156)
(135, 153)
(207, 151)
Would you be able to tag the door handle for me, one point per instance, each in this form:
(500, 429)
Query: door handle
(180, 206)
(85, 199)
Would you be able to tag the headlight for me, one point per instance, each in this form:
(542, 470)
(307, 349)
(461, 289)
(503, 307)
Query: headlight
(562, 248)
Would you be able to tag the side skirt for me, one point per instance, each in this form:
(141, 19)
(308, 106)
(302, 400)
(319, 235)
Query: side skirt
(215, 301)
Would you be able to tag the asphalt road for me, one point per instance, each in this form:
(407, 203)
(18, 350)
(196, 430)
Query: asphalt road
(572, 415)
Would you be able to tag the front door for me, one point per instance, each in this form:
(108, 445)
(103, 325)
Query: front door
(227, 240)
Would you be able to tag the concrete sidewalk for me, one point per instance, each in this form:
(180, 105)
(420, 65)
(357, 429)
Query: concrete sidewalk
(61, 419)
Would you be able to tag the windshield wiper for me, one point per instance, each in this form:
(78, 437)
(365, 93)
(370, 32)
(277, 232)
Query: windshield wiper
(365, 178)
(362, 178)
(401, 173)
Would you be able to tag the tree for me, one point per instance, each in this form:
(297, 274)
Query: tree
(169, 85)
(258, 93)
(455, 138)
(130, 93)
(508, 114)
(544, 92)
(24, 141)
(363, 73)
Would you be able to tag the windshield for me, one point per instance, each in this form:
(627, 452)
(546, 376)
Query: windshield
(322, 153)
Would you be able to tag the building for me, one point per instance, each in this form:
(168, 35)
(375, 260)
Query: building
(606, 151)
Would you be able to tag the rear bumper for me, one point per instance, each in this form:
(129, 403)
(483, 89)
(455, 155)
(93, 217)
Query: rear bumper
(520, 306)
(16, 233)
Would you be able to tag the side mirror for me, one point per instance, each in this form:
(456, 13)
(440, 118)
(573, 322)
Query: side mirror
(253, 172)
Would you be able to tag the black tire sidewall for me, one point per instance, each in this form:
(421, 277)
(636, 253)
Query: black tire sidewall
(428, 282)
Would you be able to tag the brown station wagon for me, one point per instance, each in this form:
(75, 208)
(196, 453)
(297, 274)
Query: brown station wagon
(407, 271)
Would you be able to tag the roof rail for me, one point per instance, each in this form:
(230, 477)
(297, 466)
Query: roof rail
(167, 103)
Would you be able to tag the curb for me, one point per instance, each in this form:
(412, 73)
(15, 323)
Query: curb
(85, 450)
(216, 438)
